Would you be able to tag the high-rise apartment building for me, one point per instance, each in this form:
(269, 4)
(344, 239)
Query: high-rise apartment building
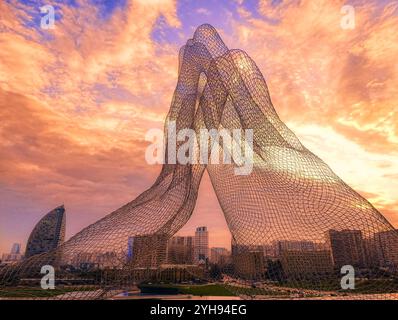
(309, 263)
(293, 245)
(147, 251)
(16, 248)
(201, 245)
(180, 250)
(347, 248)
(386, 248)
(219, 256)
(14, 256)
(48, 233)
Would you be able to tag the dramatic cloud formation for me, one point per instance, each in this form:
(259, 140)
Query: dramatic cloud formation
(337, 89)
(76, 100)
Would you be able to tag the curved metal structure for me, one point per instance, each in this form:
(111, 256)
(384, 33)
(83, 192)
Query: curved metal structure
(295, 224)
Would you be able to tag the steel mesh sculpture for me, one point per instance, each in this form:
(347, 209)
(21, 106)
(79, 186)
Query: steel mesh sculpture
(294, 223)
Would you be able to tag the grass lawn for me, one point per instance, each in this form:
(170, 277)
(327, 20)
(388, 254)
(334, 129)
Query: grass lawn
(255, 291)
(206, 290)
(196, 290)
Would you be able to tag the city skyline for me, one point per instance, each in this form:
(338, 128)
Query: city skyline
(349, 119)
(338, 248)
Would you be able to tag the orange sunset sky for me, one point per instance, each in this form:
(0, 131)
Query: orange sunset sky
(77, 100)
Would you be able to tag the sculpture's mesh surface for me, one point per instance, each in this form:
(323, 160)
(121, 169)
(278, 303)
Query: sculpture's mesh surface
(294, 223)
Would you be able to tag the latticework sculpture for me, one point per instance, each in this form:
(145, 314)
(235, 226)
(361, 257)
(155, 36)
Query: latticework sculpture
(294, 222)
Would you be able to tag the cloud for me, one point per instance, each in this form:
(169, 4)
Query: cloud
(203, 11)
(369, 173)
(75, 103)
(319, 73)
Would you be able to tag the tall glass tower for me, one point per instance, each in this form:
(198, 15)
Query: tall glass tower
(48, 233)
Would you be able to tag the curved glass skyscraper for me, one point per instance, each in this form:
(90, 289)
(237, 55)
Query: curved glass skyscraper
(48, 233)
